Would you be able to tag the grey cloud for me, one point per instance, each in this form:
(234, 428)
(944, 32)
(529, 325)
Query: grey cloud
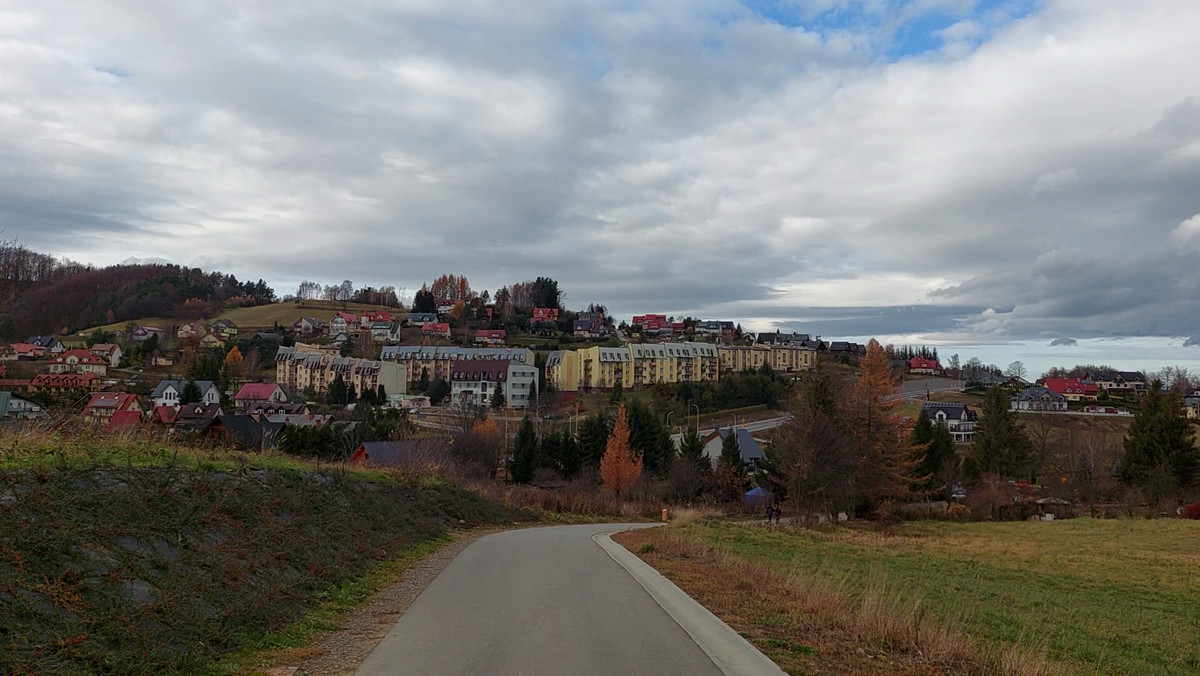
(1057, 342)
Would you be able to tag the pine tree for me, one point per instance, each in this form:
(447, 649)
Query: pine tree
(731, 453)
(594, 431)
(620, 467)
(691, 449)
(935, 445)
(497, 398)
(423, 382)
(525, 453)
(1000, 445)
(1159, 450)
(191, 393)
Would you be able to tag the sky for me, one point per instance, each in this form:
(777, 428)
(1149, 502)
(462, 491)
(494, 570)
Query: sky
(1020, 177)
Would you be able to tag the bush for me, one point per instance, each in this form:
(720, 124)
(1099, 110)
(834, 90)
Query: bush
(1191, 511)
(959, 513)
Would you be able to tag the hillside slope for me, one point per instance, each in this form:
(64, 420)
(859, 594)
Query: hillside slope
(106, 568)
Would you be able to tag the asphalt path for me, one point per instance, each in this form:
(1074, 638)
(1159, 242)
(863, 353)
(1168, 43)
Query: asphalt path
(538, 601)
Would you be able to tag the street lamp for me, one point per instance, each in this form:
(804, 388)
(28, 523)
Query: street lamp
(697, 416)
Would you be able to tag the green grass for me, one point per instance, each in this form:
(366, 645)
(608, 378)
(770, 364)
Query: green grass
(122, 555)
(1114, 597)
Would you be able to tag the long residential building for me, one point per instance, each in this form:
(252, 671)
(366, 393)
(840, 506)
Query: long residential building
(473, 382)
(437, 361)
(645, 364)
(305, 366)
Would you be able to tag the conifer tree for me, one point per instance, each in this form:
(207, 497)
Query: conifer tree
(1159, 450)
(886, 460)
(525, 453)
(1000, 445)
(621, 466)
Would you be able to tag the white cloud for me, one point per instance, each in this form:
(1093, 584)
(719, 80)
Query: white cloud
(1054, 181)
(1187, 232)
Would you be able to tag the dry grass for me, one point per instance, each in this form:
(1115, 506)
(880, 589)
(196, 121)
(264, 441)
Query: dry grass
(816, 626)
(586, 503)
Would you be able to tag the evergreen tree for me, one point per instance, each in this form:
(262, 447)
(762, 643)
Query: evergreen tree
(649, 437)
(337, 391)
(525, 453)
(423, 383)
(1001, 445)
(438, 391)
(691, 449)
(1159, 452)
(191, 393)
(731, 453)
(497, 398)
(593, 434)
(617, 395)
(936, 447)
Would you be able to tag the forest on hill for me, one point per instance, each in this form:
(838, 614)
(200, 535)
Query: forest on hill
(44, 295)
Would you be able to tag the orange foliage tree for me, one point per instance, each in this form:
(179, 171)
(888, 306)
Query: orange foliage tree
(885, 458)
(451, 288)
(620, 466)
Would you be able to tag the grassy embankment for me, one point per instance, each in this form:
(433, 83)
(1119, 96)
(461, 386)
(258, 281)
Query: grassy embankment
(1079, 596)
(125, 556)
(262, 317)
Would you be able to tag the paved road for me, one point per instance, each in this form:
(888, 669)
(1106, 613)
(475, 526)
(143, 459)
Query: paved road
(537, 601)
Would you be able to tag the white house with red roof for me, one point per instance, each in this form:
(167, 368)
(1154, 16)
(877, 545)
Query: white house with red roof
(493, 337)
(78, 361)
(344, 322)
(255, 394)
(923, 365)
(26, 351)
(369, 318)
(439, 329)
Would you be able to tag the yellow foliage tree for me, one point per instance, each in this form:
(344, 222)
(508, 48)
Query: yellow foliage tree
(620, 466)
(233, 362)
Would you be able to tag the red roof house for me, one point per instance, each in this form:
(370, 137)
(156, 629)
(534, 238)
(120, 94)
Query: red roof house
(436, 329)
(495, 337)
(923, 365)
(103, 405)
(1073, 389)
(258, 393)
(78, 361)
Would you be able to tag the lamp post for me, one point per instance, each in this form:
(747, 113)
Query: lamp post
(697, 416)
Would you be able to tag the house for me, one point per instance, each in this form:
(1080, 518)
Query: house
(143, 333)
(419, 318)
(102, 406)
(213, 341)
(437, 329)
(956, 416)
(385, 331)
(1038, 398)
(191, 330)
(1073, 389)
(652, 325)
(78, 361)
(196, 417)
(923, 365)
(714, 328)
(26, 351)
(245, 430)
(493, 337)
(109, 352)
(544, 320)
(444, 308)
(589, 328)
(58, 383)
(1120, 383)
(14, 407)
(50, 344)
(344, 321)
(397, 453)
(752, 452)
(123, 420)
(169, 391)
(254, 394)
(225, 328)
(298, 408)
(369, 318)
(307, 327)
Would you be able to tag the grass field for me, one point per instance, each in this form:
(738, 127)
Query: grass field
(1089, 596)
(261, 316)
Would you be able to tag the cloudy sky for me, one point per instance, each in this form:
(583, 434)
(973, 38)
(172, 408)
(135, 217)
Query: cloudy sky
(966, 172)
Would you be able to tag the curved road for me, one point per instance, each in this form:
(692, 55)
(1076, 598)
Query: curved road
(537, 601)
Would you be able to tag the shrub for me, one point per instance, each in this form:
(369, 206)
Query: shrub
(1191, 511)
(959, 513)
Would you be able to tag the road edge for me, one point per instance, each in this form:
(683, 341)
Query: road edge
(729, 651)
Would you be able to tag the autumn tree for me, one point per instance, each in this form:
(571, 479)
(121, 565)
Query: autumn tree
(451, 289)
(620, 467)
(886, 461)
(234, 362)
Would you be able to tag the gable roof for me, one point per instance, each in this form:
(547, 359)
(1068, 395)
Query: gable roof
(124, 419)
(393, 453)
(747, 444)
(178, 384)
(953, 410)
(256, 391)
(250, 430)
(82, 357)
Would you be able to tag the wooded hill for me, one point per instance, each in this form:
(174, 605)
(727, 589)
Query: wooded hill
(44, 296)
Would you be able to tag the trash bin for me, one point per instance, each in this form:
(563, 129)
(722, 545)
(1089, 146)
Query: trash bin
(665, 515)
